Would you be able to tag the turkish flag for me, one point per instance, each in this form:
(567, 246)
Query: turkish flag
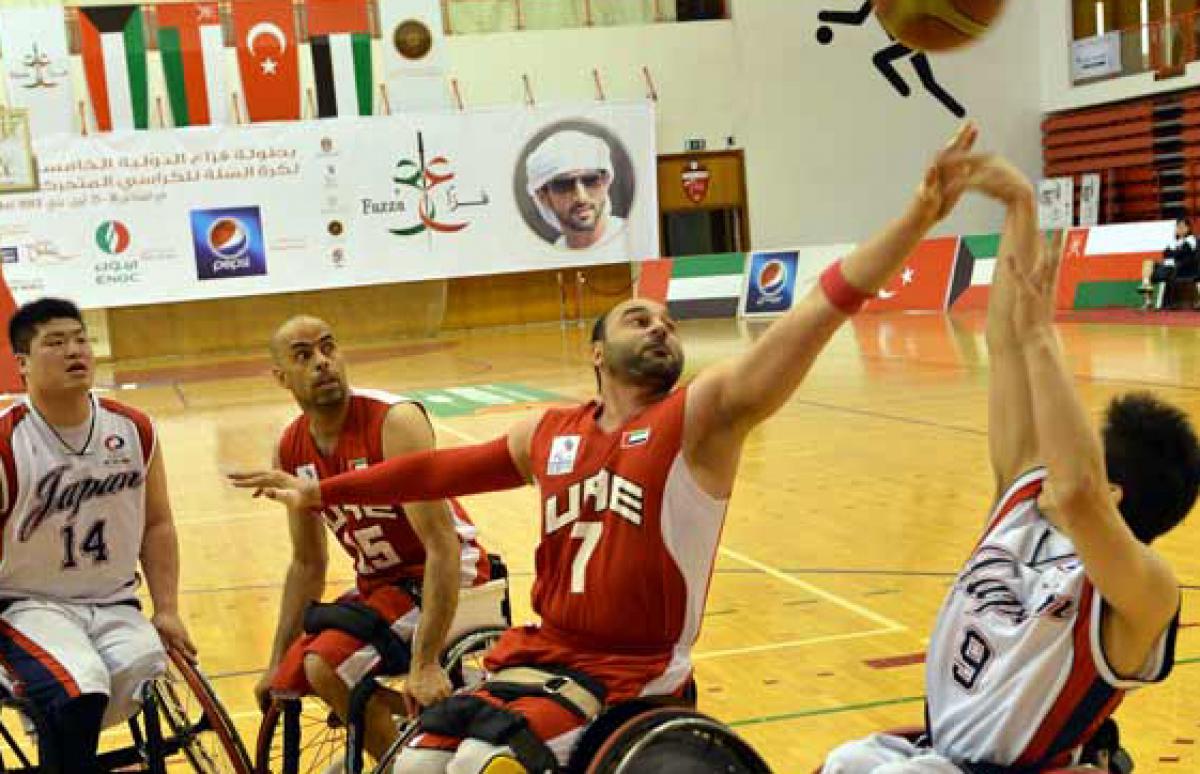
(268, 58)
(923, 283)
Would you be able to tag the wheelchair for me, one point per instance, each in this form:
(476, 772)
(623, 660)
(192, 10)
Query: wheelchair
(1102, 754)
(300, 735)
(181, 720)
(650, 736)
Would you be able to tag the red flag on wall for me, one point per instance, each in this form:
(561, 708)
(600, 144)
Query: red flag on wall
(268, 58)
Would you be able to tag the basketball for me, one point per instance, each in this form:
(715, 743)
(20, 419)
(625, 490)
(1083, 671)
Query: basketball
(937, 25)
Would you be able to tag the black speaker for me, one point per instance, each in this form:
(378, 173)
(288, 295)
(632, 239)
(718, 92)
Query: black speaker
(699, 10)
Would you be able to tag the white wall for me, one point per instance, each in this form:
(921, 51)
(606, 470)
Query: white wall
(832, 151)
(1058, 93)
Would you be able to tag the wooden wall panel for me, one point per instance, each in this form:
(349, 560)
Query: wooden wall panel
(726, 187)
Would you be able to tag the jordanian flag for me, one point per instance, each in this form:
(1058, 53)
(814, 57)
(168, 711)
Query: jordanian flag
(112, 43)
(192, 47)
(340, 39)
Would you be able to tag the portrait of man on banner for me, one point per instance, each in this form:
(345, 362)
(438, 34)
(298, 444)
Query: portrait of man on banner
(579, 185)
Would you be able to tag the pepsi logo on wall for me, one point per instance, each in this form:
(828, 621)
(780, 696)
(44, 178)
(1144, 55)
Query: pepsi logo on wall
(228, 242)
(770, 283)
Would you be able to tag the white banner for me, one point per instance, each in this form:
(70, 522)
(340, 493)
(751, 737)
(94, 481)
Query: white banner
(414, 54)
(1096, 57)
(150, 217)
(1056, 202)
(1089, 200)
(33, 42)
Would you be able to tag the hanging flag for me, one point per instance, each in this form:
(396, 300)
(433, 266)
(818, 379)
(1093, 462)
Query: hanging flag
(414, 54)
(33, 43)
(267, 58)
(340, 38)
(112, 42)
(192, 46)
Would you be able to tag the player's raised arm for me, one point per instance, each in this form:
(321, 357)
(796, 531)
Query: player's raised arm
(734, 396)
(429, 475)
(1136, 583)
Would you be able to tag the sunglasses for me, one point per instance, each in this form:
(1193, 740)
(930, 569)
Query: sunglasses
(565, 185)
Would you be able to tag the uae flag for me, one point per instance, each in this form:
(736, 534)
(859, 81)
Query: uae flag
(37, 64)
(414, 54)
(268, 60)
(340, 39)
(192, 46)
(112, 44)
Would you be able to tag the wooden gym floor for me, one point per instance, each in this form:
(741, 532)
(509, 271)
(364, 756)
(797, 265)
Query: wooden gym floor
(854, 507)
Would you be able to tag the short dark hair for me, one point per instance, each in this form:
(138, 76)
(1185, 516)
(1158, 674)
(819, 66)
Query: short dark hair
(23, 325)
(1151, 452)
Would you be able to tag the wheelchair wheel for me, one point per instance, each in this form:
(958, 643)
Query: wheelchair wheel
(197, 726)
(463, 658)
(670, 740)
(298, 736)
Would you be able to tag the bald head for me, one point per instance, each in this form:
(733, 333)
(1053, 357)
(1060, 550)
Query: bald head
(308, 363)
(302, 327)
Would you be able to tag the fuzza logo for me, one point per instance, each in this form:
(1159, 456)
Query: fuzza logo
(53, 495)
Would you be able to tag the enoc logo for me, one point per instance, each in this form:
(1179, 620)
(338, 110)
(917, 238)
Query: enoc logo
(112, 237)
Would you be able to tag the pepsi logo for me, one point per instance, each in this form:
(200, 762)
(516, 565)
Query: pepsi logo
(772, 278)
(228, 238)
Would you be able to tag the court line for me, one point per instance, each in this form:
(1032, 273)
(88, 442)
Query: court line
(825, 711)
(816, 591)
(711, 654)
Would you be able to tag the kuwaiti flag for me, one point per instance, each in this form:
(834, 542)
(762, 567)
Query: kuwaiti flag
(192, 47)
(38, 65)
(414, 54)
(340, 39)
(112, 43)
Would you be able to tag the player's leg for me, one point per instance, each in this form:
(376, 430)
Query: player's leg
(334, 662)
(885, 754)
(133, 654)
(46, 648)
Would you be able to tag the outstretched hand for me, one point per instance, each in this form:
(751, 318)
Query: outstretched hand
(291, 491)
(947, 175)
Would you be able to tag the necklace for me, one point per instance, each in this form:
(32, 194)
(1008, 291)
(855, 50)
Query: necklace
(80, 452)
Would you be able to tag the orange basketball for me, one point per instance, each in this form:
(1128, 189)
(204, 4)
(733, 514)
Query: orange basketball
(937, 25)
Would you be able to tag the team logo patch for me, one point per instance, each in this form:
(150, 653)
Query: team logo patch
(563, 450)
(632, 438)
(307, 471)
(114, 443)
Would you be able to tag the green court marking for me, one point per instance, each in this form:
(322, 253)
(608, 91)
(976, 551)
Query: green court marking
(469, 399)
(825, 711)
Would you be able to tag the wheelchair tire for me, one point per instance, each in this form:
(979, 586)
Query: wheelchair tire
(703, 736)
(198, 724)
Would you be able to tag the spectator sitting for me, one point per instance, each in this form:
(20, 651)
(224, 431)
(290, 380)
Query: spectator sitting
(1180, 262)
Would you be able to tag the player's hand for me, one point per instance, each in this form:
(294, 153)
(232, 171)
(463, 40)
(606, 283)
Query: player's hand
(996, 177)
(262, 690)
(1034, 309)
(289, 490)
(947, 175)
(428, 684)
(174, 634)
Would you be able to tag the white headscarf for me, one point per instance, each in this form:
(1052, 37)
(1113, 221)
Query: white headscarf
(562, 153)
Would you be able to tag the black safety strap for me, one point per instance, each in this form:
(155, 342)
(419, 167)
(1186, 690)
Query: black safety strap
(362, 623)
(469, 716)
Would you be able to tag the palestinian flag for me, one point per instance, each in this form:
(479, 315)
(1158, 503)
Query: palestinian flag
(340, 41)
(112, 43)
(192, 46)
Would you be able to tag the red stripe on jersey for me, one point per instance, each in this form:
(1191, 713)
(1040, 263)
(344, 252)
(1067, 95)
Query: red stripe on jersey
(1009, 503)
(9, 421)
(45, 659)
(145, 428)
(1083, 677)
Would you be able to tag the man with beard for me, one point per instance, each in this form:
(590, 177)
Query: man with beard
(569, 176)
(633, 491)
(410, 560)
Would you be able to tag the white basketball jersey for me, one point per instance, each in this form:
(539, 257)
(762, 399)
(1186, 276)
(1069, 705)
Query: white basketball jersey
(1015, 673)
(73, 522)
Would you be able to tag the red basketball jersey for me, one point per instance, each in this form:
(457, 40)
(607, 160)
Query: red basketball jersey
(628, 537)
(379, 538)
